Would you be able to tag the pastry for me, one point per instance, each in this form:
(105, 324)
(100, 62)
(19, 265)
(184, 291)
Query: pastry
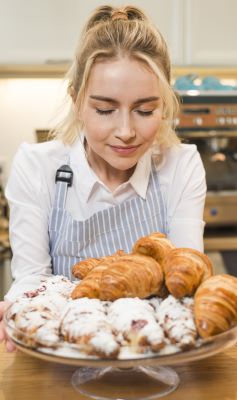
(121, 329)
(155, 245)
(37, 319)
(55, 284)
(135, 320)
(177, 320)
(81, 269)
(215, 305)
(90, 285)
(85, 324)
(184, 270)
(132, 275)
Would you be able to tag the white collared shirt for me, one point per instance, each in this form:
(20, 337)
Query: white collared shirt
(31, 187)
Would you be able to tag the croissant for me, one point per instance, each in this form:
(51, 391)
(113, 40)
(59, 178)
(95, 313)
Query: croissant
(155, 245)
(81, 269)
(215, 305)
(90, 285)
(184, 270)
(132, 275)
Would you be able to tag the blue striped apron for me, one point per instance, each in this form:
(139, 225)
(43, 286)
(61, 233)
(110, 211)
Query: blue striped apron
(106, 231)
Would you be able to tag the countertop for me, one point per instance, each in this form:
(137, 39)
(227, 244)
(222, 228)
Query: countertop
(25, 377)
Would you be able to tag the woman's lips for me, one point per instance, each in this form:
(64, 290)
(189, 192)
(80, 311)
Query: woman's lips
(124, 149)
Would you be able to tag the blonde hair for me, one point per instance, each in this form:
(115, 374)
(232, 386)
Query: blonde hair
(109, 34)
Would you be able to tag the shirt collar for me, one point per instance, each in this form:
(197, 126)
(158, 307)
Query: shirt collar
(139, 179)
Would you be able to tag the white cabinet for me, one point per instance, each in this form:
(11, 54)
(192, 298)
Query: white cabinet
(198, 32)
(39, 31)
(210, 32)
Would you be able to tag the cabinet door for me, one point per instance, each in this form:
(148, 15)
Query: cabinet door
(210, 32)
(39, 31)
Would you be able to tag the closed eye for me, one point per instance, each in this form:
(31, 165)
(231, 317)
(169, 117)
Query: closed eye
(104, 112)
(144, 113)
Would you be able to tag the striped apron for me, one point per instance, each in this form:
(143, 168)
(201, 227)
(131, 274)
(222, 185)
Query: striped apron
(106, 231)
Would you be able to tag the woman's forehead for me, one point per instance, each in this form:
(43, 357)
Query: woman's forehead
(123, 74)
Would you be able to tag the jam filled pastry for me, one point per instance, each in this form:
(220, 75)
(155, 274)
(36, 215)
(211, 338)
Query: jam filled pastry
(85, 324)
(134, 323)
(81, 269)
(155, 245)
(37, 320)
(177, 320)
(56, 284)
(184, 271)
(215, 305)
(132, 275)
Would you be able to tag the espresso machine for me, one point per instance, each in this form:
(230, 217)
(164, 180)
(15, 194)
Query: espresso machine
(209, 120)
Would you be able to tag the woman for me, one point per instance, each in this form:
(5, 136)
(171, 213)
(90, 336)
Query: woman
(121, 172)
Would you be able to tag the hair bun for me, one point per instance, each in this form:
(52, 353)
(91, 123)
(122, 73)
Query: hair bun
(134, 13)
(119, 14)
(108, 13)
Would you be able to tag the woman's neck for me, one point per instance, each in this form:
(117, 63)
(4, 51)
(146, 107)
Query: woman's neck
(110, 176)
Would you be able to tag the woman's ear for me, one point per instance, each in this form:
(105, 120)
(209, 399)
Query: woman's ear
(71, 91)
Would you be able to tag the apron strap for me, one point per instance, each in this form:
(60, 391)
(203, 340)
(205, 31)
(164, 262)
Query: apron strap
(63, 180)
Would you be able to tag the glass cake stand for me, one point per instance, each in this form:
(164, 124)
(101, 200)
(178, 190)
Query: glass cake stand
(145, 376)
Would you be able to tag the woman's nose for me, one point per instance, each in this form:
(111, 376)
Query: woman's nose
(125, 129)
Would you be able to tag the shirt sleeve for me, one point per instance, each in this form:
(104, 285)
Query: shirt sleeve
(186, 200)
(28, 225)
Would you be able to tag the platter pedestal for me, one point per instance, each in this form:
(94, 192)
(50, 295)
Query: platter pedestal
(138, 383)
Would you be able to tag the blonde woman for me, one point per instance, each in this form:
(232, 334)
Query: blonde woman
(121, 172)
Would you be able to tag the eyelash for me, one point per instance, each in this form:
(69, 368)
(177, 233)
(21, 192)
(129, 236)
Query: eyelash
(107, 112)
(145, 113)
(103, 112)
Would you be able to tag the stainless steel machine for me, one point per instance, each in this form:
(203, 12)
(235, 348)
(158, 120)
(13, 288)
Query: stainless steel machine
(209, 119)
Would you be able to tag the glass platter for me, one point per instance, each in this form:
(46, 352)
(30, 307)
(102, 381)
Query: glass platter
(152, 368)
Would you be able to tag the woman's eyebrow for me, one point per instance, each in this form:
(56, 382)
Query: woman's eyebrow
(146, 100)
(103, 98)
(136, 102)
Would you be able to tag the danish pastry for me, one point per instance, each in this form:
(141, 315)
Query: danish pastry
(85, 324)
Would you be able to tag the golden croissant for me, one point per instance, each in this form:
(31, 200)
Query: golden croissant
(155, 245)
(81, 269)
(215, 305)
(132, 275)
(184, 271)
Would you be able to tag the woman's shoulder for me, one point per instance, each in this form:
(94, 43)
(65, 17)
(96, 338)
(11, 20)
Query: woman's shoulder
(36, 154)
(52, 148)
(181, 150)
(181, 155)
(180, 160)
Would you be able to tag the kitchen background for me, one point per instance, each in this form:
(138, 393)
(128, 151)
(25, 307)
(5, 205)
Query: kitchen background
(37, 41)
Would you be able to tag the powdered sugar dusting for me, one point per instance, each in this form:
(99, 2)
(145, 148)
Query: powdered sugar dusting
(128, 327)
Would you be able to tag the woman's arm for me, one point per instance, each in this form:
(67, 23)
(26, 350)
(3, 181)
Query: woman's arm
(28, 200)
(186, 199)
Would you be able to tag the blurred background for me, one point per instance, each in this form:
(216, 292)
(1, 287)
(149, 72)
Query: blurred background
(37, 42)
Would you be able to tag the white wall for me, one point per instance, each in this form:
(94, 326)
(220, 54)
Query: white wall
(26, 105)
